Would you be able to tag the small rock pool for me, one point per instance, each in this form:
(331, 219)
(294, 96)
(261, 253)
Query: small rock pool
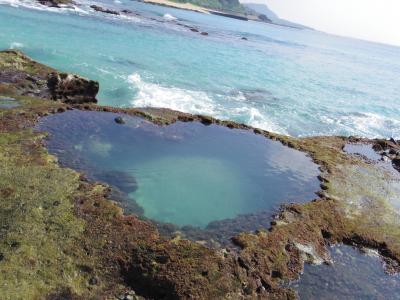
(8, 102)
(187, 175)
(352, 275)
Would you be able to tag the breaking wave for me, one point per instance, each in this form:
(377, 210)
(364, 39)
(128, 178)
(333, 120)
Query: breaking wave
(16, 45)
(155, 95)
(37, 6)
(169, 17)
(365, 124)
(197, 102)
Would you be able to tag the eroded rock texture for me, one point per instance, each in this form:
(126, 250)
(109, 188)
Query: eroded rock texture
(29, 78)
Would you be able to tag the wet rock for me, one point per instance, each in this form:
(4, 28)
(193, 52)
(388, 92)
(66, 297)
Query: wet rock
(15, 244)
(245, 38)
(62, 294)
(56, 3)
(129, 204)
(104, 10)
(383, 144)
(393, 141)
(204, 33)
(206, 120)
(86, 269)
(194, 30)
(121, 180)
(93, 281)
(119, 120)
(396, 164)
(385, 158)
(167, 229)
(131, 295)
(324, 186)
(72, 88)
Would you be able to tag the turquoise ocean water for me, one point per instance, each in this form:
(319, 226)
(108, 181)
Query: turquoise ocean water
(296, 82)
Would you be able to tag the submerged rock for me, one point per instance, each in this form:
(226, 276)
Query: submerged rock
(126, 11)
(122, 180)
(119, 120)
(104, 10)
(72, 88)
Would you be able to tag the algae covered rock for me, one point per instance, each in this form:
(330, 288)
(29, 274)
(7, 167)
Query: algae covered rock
(64, 237)
(123, 181)
(72, 88)
(29, 78)
(104, 10)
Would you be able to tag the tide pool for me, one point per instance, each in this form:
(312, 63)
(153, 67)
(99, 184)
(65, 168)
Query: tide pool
(296, 82)
(186, 174)
(352, 275)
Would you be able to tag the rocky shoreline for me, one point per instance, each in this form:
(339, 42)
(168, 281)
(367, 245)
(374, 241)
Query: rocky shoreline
(167, 3)
(63, 236)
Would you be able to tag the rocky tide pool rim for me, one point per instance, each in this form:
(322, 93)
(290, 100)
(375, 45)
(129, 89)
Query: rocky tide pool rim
(296, 167)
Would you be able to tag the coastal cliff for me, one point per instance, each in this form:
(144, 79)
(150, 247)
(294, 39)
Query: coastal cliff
(66, 237)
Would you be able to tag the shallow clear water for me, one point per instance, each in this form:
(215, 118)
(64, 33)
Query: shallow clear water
(184, 173)
(296, 82)
(352, 276)
(362, 149)
(6, 102)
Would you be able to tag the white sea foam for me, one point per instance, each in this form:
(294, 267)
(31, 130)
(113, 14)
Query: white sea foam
(16, 45)
(155, 95)
(254, 117)
(127, 18)
(371, 122)
(364, 124)
(196, 102)
(169, 17)
(37, 6)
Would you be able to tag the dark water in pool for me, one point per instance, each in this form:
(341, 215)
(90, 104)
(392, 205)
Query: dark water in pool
(186, 174)
(353, 275)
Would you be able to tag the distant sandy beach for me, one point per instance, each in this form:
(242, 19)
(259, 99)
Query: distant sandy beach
(187, 6)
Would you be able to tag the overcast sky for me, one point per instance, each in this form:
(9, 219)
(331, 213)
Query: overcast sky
(374, 20)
